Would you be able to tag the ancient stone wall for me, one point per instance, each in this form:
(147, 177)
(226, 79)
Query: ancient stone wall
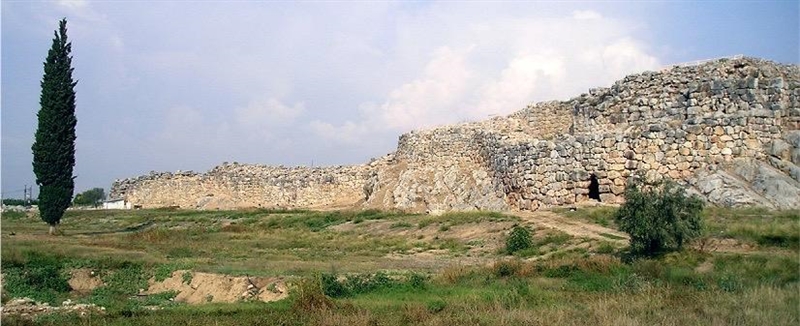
(686, 123)
(245, 185)
(671, 123)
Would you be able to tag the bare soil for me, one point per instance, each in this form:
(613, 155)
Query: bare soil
(208, 287)
(572, 227)
(83, 280)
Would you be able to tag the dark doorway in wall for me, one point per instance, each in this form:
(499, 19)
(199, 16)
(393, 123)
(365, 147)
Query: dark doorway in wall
(594, 188)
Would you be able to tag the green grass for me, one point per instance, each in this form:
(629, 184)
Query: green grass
(602, 215)
(13, 215)
(317, 221)
(756, 225)
(556, 238)
(401, 225)
(450, 219)
(35, 275)
(365, 287)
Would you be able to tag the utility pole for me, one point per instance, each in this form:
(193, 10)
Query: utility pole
(27, 196)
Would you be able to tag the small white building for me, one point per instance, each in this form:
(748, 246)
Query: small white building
(119, 203)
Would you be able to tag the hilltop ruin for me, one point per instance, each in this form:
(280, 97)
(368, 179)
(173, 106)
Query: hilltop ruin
(728, 129)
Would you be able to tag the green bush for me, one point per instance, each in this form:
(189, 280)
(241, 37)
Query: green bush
(37, 276)
(332, 287)
(355, 284)
(659, 217)
(417, 281)
(518, 239)
(436, 306)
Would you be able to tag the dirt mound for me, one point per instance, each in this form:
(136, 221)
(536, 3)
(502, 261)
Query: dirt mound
(197, 287)
(84, 280)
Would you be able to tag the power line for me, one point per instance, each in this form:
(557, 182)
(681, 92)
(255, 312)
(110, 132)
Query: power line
(12, 191)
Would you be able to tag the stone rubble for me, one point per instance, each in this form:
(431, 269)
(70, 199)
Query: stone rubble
(727, 129)
(28, 308)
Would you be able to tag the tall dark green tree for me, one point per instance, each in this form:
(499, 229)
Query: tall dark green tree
(54, 148)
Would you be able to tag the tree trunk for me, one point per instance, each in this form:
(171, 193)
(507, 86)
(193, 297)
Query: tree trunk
(53, 229)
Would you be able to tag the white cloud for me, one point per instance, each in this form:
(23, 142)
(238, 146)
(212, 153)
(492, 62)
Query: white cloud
(586, 15)
(498, 66)
(73, 4)
(348, 132)
(267, 112)
(290, 83)
(430, 99)
(82, 11)
(626, 55)
(518, 82)
(116, 42)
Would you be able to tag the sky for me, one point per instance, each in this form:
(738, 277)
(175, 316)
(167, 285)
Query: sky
(188, 85)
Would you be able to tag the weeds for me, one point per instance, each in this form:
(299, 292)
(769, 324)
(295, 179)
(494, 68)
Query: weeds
(310, 296)
(355, 284)
(603, 215)
(186, 277)
(451, 219)
(37, 276)
(13, 215)
(577, 287)
(756, 225)
(400, 225)
(556, 238)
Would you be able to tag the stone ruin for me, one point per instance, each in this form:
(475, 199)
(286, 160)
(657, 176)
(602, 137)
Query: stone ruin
(728, 130)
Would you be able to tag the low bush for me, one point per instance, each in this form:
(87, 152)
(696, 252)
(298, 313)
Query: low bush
(518, 239)
(37, 276)
(310, 295)
(659, 217)
(506, 268)
(350, 285)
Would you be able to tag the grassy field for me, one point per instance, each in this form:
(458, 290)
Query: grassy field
(391, 268)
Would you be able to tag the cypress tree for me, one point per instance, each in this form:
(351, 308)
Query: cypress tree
(54, 147)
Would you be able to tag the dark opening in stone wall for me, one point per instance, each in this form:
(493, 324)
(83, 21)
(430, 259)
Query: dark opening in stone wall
(594, 188)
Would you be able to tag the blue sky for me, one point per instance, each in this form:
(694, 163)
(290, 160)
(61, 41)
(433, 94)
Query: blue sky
(176, 85)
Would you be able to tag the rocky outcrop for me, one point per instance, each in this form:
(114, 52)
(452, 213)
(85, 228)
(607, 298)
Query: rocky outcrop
(728, 129)
(747, 182)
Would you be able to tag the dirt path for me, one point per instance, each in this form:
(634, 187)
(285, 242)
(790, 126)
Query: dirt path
(572, 227)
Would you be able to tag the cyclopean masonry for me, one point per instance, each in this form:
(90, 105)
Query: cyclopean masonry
(729, 130)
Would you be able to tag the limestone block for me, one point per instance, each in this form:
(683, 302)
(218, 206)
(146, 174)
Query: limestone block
(632, 165)
(608, 198)
(616, 167)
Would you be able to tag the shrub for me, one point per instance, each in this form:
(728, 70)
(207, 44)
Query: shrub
(518, 239)
(659, 217)
(37, 276)
(332, 287)
(355, 284)
(435, 306)
(310, 296)
(417, 281)
(506, 268)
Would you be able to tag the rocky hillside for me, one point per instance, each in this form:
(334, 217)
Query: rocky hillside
(728, 129)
